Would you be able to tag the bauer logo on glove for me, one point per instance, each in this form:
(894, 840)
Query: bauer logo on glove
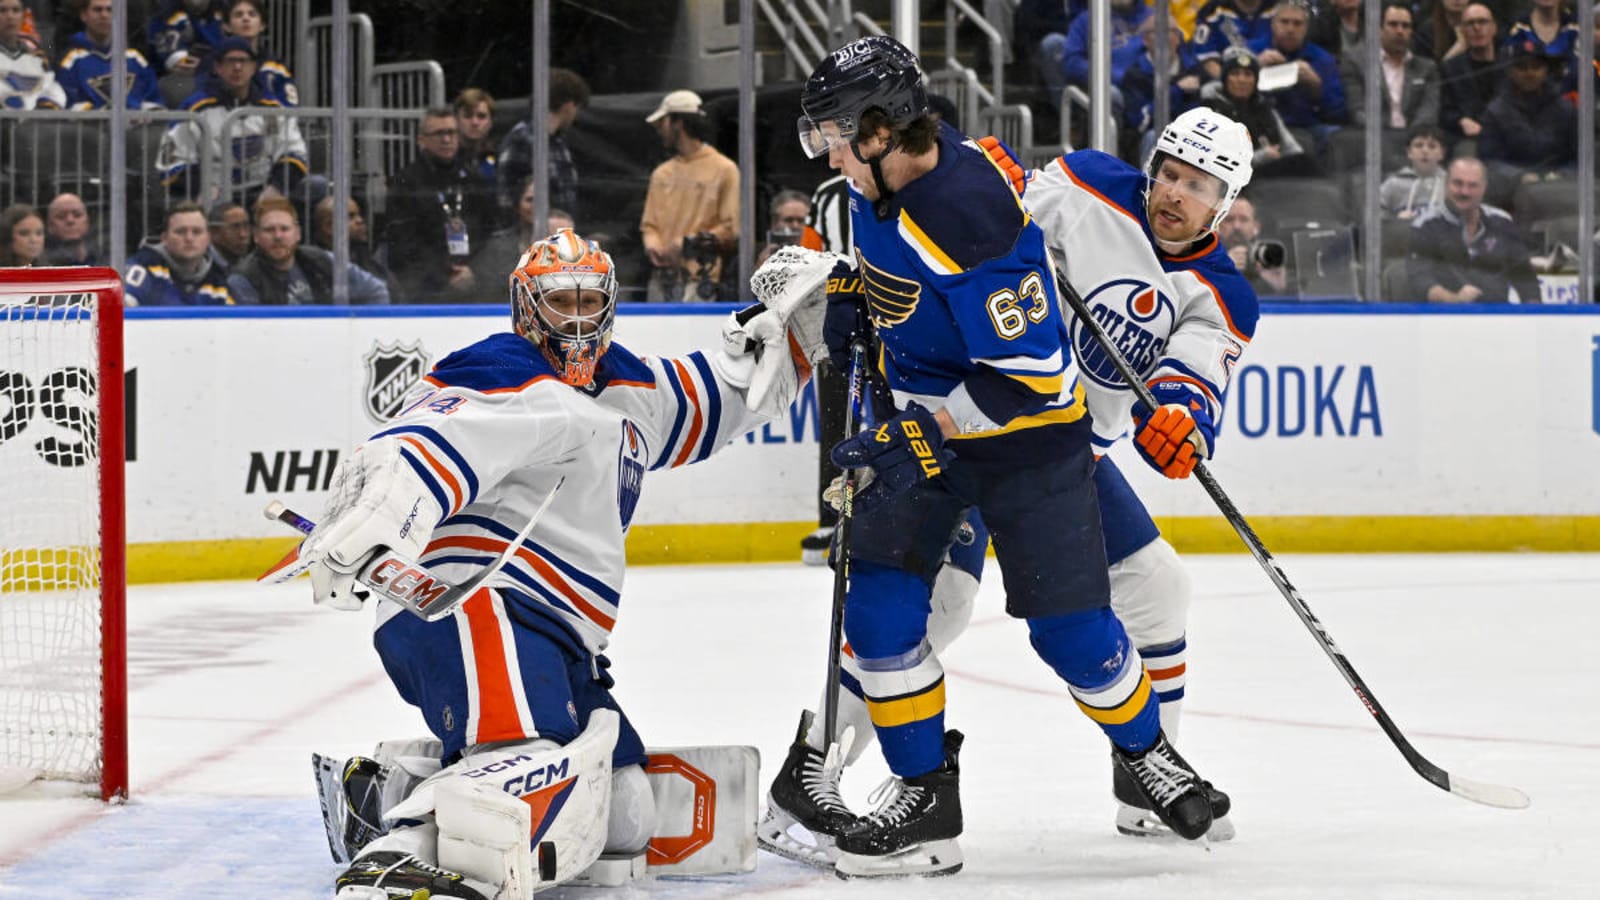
(903, 452)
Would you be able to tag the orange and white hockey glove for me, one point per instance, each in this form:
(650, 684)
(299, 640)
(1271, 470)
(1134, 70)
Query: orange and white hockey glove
(1007, 160)
(1178, 434)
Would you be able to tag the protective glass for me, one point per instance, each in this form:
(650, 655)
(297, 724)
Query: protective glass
(816, 138)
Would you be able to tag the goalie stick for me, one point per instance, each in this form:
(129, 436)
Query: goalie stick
(1501, 796)
(406, 581)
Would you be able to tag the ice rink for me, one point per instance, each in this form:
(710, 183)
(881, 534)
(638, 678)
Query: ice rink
(1480, 659)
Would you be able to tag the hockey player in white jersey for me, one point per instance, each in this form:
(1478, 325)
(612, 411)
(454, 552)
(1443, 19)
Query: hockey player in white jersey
(1140, 248)
(539, 771)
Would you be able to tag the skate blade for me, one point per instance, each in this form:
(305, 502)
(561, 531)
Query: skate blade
(773, 835)
(927, 860)
(1142, 823)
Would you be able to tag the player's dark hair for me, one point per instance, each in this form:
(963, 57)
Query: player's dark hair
(918, 137)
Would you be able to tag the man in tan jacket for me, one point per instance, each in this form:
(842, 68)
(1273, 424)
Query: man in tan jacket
(691, 212)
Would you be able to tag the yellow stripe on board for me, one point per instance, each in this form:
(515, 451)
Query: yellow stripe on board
(780, 541)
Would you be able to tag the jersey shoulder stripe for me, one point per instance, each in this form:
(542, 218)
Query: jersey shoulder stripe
(500, 363)
(1234, 296)
(962, 213)
(1108, 179)
(620, 368)
(437, 441)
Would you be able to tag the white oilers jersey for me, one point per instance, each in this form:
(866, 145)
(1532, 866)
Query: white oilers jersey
(493, 429)
(1175, 318)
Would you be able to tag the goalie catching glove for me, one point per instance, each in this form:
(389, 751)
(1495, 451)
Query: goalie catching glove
(1179, 433)
(769, 348)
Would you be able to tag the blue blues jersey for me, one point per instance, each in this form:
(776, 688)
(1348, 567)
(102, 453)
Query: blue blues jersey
(961, 292)
(85, 74)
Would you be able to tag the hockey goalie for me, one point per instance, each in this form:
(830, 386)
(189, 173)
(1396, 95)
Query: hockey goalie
(533, 775)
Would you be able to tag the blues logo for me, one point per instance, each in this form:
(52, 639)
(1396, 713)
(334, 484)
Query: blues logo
(1138, 319)
(630, 472)
(392, 371)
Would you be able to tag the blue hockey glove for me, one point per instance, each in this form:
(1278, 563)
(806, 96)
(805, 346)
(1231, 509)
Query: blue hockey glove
(1178, 434)
(903, 452)
(602, 672)
(846, 317)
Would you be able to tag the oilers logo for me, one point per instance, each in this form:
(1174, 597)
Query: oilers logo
(1136, 316)
(630, 472)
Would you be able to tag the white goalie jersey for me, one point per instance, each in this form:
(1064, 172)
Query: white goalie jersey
(493, 429)
(1185, 318)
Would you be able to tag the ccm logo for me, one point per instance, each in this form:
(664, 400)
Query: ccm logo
(400, 581)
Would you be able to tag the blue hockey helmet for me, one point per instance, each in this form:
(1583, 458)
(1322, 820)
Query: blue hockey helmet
(874, 72)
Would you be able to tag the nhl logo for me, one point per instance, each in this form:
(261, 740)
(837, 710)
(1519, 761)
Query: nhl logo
(392, 371)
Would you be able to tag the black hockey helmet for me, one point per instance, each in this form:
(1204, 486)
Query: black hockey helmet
(871, 72)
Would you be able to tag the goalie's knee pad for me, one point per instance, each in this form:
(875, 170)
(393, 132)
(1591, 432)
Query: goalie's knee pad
(1150, 592)
(632, 821)
(495, 808)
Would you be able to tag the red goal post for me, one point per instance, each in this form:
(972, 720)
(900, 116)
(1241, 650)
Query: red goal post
(63, 581)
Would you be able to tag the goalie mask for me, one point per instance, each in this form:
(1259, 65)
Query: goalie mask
(563, 299)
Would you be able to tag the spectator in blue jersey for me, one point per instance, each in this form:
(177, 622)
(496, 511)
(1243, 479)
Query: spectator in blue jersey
(1552, 27)
(85, 69)
(181, 34)
(1470, 79)
(246, 19)
(179, 271)
(569, 94)
(1467, 251)
(1530, 129)
(1221, 24)
(1315, 102)
(475, 117)
(261, 151)
(281, 272)
(27, 80)
(1125, 43)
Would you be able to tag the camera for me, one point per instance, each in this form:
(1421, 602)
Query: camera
(1268, 254)
(702, 248)
(784, 237)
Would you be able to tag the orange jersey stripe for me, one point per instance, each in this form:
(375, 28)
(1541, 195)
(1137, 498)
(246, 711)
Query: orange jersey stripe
(1220, 305)
(497, 705)
(439, 470)
(697, 422)
(1062, 162)
(546, 571)
(1164, 674)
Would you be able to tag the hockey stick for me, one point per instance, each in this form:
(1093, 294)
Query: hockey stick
(841, 556)
(406, 581)
(1480, 792)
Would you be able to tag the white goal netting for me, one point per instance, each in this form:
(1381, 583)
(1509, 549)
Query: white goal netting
(50, 554)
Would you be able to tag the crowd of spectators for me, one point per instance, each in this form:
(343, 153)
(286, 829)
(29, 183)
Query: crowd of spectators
(1488, 82)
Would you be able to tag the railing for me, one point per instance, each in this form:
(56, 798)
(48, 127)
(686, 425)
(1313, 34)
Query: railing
(787, 24)
(316, 66)
(955, 9)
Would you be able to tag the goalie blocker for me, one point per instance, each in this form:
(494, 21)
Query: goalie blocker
(524, 818)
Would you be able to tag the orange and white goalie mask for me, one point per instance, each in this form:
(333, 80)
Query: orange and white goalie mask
(564, 300)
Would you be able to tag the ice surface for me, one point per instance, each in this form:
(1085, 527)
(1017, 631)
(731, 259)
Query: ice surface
(1480, 659)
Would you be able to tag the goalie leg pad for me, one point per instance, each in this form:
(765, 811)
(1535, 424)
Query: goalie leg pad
(705, 801)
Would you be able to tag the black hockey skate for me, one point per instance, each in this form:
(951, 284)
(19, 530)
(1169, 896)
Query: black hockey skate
(804, 810)
(815, 547)
(1168, 786)
(387, 875)
(914, 830)
(1135, 818)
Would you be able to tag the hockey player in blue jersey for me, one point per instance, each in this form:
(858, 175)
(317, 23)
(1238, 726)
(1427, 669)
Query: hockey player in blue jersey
(1140, 247)
(989, 415)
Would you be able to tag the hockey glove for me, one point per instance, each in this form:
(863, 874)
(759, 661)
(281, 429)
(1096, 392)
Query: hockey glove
(1178, 434)
(846, 318)
(903, 452)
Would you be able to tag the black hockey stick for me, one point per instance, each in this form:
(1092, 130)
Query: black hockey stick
(841, 553)
(1477, 791)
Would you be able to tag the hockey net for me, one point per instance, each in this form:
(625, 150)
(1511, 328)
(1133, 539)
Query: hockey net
(62, 658)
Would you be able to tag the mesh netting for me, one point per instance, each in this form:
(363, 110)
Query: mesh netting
(49, 538)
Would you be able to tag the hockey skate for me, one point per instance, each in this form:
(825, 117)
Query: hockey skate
(815, 546)
(386, 875)
(1136, 819)
(1168, 786)
(805, 813)
(914, 830)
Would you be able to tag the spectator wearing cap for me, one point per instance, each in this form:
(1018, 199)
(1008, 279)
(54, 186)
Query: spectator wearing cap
(1552, 26)
(254, 152)
(1469, 80)
(1277, 151)
(1410, 82)
(1467, 251)
(85, 69)
(182, 33)
(248, 19)
(691, 210)
(1221, 24)
(1530, 130)
(229, 224)
(1315, 102)
(569, 94)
